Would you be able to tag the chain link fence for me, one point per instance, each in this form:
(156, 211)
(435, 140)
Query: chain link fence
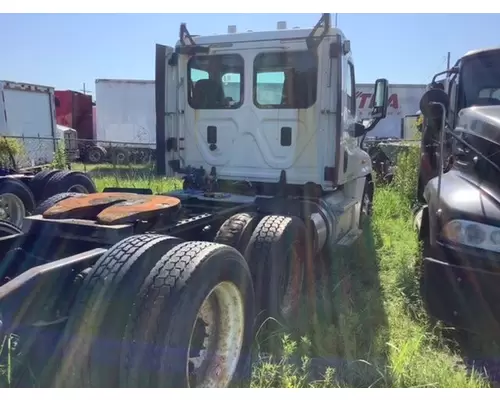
(18, 153)
(119, 159)
(21, 152)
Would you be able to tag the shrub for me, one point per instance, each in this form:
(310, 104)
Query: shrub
(60, 157)
(10, 149)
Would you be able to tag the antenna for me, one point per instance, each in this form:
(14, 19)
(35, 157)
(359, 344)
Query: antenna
(336, 19)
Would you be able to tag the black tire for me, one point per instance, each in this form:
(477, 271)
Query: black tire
(120, 156)
(52, 201)
(64, 181)
(7, 229)
(388, 178)
(275, 243)
(95, 154)
(237, 230)
(37, 184)
(164, 316)
(102, 308)
(366, 203)
(21, 191)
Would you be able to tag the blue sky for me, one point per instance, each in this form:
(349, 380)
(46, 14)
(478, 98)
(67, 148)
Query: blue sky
(67, 50)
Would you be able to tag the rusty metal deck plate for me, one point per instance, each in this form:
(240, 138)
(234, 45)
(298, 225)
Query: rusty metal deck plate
(114, 208)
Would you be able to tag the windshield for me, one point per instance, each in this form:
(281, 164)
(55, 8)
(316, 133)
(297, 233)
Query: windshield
(480, 78)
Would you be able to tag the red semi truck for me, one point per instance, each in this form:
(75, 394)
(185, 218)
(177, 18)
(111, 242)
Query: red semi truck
(75, 110)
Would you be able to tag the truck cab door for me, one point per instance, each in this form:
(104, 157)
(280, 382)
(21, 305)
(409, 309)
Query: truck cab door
(167, 109)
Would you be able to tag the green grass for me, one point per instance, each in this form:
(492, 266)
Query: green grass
(369, 320)
(107, 175)
(368, 328)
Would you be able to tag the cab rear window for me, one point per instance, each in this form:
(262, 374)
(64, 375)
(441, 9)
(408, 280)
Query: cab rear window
(285, 79)
(215, 81)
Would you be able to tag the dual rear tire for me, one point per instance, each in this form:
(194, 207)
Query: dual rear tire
(19, 199)
(157, 312)
(274, 247)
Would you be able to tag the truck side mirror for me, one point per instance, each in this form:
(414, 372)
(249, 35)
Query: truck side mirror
(359, 130)
(380, 96)
(431, 102)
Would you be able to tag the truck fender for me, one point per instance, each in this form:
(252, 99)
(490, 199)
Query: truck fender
(421, 222)
(371, 185)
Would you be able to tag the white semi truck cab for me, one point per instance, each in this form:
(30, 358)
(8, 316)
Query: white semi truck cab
(274, 111)
(263, 128)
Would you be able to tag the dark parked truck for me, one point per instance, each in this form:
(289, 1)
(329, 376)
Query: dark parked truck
(459, 185)
(168, 290)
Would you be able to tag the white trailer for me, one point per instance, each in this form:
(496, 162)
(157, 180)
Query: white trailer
(27, 112)
(403, 100)
(125, 111)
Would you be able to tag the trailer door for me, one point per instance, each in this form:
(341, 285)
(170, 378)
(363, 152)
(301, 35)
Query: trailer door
(168, 135)
(29, 114)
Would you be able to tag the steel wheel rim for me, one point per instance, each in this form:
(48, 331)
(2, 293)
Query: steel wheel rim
(94, 156)
(12, 209)
(120, 157)
(214, 363)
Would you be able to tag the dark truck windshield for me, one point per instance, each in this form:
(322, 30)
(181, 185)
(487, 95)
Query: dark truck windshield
(480, 86)
(480, 79)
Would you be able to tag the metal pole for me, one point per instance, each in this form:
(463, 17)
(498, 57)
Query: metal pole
(336, 16)
(448, 60)
(441, 151)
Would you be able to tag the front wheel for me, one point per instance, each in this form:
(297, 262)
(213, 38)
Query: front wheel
(367, 202)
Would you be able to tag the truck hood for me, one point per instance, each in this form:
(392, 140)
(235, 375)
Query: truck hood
(465, 198)
(483, 121)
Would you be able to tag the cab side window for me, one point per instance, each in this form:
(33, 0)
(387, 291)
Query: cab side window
(351, 88)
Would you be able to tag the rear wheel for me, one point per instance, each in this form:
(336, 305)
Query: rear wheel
(37, 184)
(69, 181)
(192, 324)
(94, 332)
(120, 156)
(52, 201)
(7, 229)
(276, 255)
(16, 201)
(95, 154)
(237, 230)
